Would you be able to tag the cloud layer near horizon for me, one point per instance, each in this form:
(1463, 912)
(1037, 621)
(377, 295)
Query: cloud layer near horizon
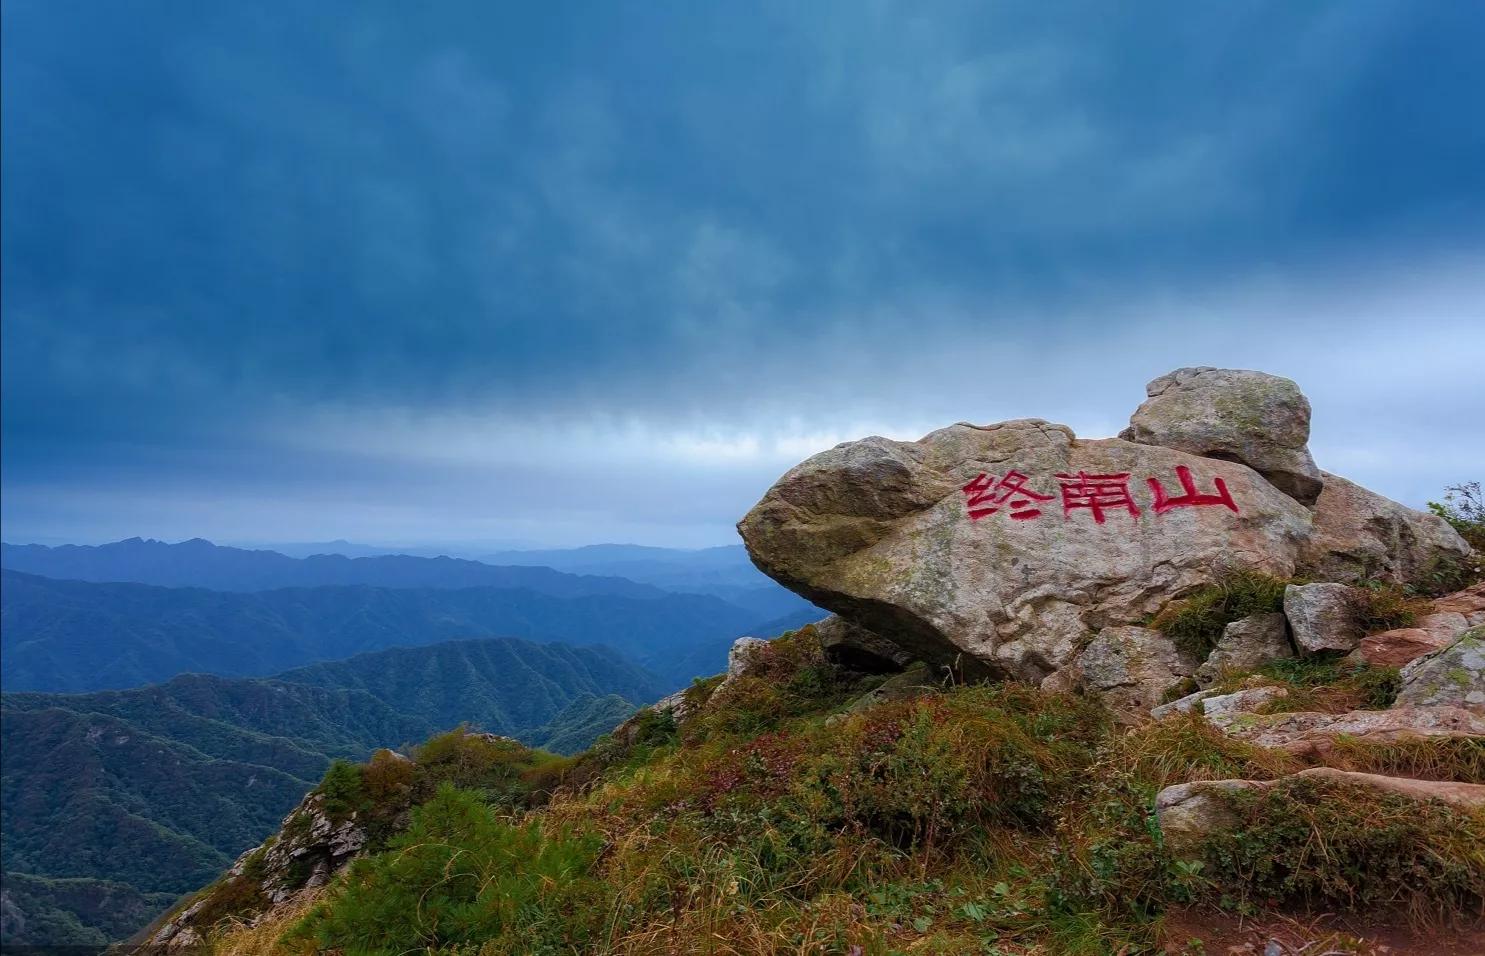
(427, 275)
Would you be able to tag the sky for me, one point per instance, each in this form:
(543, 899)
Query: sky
(559, 273)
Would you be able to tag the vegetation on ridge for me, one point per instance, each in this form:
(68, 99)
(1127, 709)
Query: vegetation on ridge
(786, 815)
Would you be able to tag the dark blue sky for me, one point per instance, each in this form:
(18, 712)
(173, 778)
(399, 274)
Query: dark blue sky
(570, 272)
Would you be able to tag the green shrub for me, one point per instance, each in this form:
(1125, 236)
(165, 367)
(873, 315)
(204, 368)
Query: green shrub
(462, 875)
(342, 789)
(1195, 622)
(1464, 508)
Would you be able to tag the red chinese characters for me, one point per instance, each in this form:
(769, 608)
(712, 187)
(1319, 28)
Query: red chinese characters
(1096, 493)
(1191, 499)
(986, 495)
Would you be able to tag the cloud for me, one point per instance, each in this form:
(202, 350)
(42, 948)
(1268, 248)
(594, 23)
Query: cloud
(260, 253)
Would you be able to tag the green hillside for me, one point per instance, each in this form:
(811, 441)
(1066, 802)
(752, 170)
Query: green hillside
(135, 796)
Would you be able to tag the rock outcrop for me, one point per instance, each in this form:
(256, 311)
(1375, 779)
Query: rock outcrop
(1313, 735)
(311, 845)
(1360, 535)
(1454, 676)
(1002, 550)
(1255, 418)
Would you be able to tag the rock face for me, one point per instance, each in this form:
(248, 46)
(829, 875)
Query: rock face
(1131, 667)
(1359, 534)
(1454, 676)
(311, 845)
(966, 548)
(1255, 418)
(1246, 645)
(1323, 617)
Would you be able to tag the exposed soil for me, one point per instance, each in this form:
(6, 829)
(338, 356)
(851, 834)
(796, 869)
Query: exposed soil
(1222, 934)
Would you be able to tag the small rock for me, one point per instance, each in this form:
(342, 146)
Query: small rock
(1187, 812)
(916, 681)
(1255, 418)
(1394, 648)
(1132, 667)
(1246, 645)
(1227, 709)
(1183, 705)
(1452, 676)
(1323, 617)
(856, 648)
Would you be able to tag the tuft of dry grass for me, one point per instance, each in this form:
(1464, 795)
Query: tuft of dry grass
(1423, 758)
(239, 937)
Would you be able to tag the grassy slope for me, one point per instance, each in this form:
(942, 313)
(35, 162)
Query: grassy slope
(975, 819)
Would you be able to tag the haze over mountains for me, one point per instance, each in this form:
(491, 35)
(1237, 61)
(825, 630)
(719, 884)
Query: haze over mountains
(196, 607)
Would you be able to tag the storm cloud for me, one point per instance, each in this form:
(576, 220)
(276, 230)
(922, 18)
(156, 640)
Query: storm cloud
(463, 272)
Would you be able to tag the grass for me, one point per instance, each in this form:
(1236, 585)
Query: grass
(973, 819)
(1324, 683)
(1318, 844)
(1195, 622)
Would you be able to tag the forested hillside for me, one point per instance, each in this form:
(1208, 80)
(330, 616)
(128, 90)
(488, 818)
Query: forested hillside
(114, 798)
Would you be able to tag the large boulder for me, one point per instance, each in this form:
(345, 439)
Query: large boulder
(1360, 535)
(1453, 677)
(1003, 548)
(1258, 419)
(1324, 617)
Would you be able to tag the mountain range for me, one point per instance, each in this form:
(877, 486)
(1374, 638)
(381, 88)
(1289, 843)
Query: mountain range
(78, 636)
(200, 564)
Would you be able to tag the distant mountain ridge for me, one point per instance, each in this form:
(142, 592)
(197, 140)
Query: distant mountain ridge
(75, 636)
(199, 563)
(132, 797)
